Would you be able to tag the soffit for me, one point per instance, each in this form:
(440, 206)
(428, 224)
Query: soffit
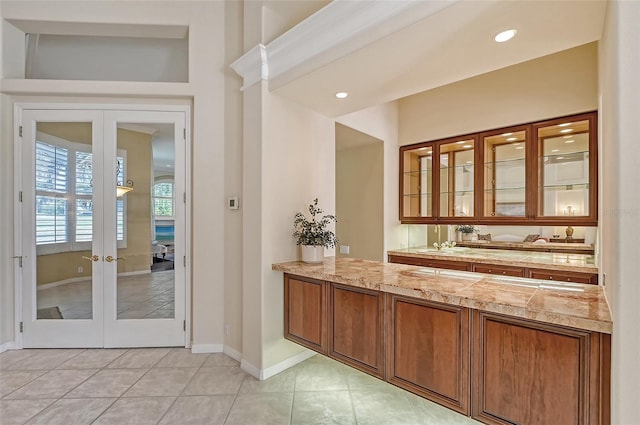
(448, 43)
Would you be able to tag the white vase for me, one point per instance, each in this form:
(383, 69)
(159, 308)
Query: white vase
(467, 236)
(312, 254)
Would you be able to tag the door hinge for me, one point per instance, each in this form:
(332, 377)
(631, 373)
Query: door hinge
(20, 196)
(184, 260)
(20, 131)
(19, 257)
(184, 197)
(21, 327)
(184, 325)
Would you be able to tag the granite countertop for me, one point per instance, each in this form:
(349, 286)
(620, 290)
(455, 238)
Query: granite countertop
(546, 260)
(568, 304)
(530, 246)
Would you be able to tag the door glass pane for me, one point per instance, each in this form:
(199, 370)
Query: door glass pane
(64, 220)
(456, 179)
(417, 177)
(145, 221)
(564, 169)
(505, 175)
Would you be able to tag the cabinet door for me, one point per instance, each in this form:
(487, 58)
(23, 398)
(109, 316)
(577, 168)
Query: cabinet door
(499, 270)
(305, 314)
(428, 347)
(505, 157)
(456, 178)
(356, 323)
(536, 374)
(416, 183)
(564, 276)
(566, 169)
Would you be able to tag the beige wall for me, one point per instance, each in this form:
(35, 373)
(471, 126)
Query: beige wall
(620, 200)
(360, 198)
(204, 91)
(560, 84)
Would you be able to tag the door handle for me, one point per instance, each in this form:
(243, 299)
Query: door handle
(92, 258)
(110, 259)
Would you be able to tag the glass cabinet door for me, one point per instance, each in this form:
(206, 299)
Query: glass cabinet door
(457, 179)
(416, 182)
(505, 174)
(565, 167)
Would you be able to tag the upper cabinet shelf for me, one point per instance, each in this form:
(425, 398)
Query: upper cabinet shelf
(542, 172)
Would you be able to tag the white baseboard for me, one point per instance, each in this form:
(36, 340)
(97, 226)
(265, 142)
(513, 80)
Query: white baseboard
(87, 279)
(7, 346)
(206, 348)
(267, 373)
(235, 355)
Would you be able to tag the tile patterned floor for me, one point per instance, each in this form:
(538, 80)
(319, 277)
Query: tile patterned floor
(173, 386)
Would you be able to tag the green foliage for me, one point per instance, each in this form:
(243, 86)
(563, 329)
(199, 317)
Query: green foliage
(466, 228)
(314, 232)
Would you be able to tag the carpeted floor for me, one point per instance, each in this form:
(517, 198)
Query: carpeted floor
(49, 313)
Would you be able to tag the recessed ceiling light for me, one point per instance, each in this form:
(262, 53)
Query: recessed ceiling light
(511, 139)
(566, 130)
(564, 124)
(555, 150)
(466, 146)
(468, 162)
(569, 141)
(505, 36)
(519, 147)
(342, 94)
(422, 149)
(459, 143)
(506, 134)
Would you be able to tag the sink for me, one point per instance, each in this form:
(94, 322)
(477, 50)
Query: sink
(455, 249)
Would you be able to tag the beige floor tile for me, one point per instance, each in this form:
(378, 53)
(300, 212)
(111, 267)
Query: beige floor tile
(199, 410)
(136, 411)
(8, 358)
(11, 380)
(17, 412)
(107, 383)
(319, 376)
(143, 358)
(162, 382)
(261, 409)
(182, 357)
(53, 384)
(220, 359)
(72, 412)
(282, 382)
(216, 380)
(93, 359)
(322, 408)
(391, 407)
(45, 359)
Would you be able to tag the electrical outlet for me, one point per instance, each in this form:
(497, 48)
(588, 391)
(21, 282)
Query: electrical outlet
(344, 249)
(227, 329)
(80, 269)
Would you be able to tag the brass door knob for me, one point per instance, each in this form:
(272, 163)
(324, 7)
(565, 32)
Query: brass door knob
(92, 258)
(110, 259)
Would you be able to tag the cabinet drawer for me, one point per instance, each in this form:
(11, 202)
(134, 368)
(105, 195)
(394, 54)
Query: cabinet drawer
(426, 262)
(499, 270)
(562, 276)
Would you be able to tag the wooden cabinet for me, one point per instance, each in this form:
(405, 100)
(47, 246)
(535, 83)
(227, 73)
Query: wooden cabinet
(499, 270)
(426, 262)
(532, 373)
(305, 314)
(564, 276)
(356, 324)
(428, 350)
(537, 173)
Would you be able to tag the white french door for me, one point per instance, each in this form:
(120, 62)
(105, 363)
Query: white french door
(103, 232)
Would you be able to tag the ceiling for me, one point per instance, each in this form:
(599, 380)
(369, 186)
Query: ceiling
(449, 45)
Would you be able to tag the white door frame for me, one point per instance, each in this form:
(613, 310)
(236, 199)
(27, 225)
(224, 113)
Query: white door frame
(19, 249)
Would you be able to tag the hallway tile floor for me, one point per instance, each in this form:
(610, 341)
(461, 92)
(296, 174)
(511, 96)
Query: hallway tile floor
(173, 386)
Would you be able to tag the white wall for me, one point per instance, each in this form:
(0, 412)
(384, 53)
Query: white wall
(620, 200)
(206, 89)
(560, 84)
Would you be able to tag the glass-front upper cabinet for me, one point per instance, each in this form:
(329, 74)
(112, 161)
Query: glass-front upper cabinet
(457, 180)
(505, 170)
(566, 171)
(416, 182)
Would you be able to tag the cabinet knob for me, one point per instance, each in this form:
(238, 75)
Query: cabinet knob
(504, 272)
(550, 277)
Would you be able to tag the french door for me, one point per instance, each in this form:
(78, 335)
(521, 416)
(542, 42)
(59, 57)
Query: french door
(103, 227)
